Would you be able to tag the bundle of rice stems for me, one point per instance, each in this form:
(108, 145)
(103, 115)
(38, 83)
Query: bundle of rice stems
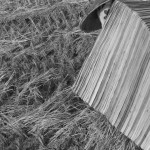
(115, 78)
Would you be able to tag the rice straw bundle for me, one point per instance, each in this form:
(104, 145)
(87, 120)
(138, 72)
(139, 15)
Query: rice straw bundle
(115, 78)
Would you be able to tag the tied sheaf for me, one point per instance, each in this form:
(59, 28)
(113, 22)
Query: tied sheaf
(115, 78)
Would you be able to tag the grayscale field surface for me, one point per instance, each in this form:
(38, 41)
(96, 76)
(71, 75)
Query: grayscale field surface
(42, 50)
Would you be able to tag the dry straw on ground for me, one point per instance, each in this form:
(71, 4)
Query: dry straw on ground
(41, 52)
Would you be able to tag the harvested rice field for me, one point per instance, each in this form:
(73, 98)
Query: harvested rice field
(42, 50)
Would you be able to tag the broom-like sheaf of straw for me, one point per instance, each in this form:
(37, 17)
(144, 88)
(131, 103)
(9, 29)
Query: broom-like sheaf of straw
(115, 78)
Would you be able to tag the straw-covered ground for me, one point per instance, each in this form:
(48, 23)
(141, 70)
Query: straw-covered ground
(41, 52)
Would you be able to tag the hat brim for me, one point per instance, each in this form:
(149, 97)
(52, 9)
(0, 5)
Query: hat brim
(91, 22)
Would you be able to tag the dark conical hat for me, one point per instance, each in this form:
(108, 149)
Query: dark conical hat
(91, 21)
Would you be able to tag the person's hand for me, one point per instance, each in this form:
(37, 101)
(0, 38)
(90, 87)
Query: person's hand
(103, 12)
